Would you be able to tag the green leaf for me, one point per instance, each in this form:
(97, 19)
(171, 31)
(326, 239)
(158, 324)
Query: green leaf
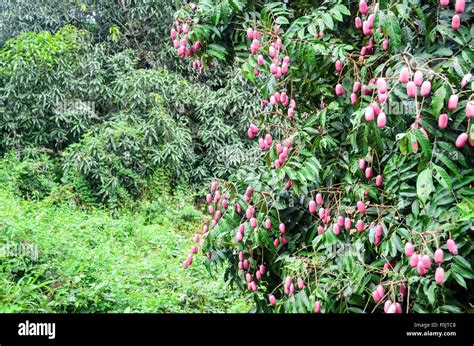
(327, 19)
(337, 15)
(391, 27)
(450, 308)
(217, 51)
(471, 133)
(465, 273)
(448, 163)
(304, 299)
(248, 71)
(442, 177)
(424, 143)
(312, 29)
(417, 308)
(430, 293)
(310, 55)
(343, 9)
(362, 139)
(237, 4)
(282, 20)
(462, 262)
(398, 243)
(458, 278)
(376, 140)
(424, 184)
(404, 233)
(404, 145)
(437, 102)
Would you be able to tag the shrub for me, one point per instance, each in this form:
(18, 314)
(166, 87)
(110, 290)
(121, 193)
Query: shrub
(49, 88)
(34, 177)
(137, 25)
(214, 117)
(117, 158)
(160, 121)
(107, 103)
(36, 16)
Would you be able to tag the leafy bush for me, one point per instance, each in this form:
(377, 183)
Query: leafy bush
(118, 158)
(34, 177)
(326, 157)
(160, 120)
(215, 118)
(17, 17)
(128, 24)
(71, 100)
(49, 88)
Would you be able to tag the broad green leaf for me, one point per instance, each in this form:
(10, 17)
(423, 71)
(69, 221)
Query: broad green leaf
(424, 143)
(424, 184)
(450, 308)
(465, 273)
(327, 19)
(459, 279)
(217, 51)
(437, 102)
(282, 20)
(430, 293)
(448, 163)
(462, 262)
(442, 177)
(343, 9)
(391, 26)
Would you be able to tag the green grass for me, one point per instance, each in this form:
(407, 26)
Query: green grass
(91, 262)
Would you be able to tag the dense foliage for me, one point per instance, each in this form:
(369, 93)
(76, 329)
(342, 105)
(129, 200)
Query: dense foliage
(56, 258)
(126, 23)
(102, 133)
(351, 208)
(337, 136)
(112, 122)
